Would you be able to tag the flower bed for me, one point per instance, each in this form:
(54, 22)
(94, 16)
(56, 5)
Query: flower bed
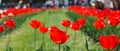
(99, 23)
(13, 18)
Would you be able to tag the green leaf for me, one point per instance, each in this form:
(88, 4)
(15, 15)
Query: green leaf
(117, 48)
(66, 48)
(9, 48)
(86, 45)
(40, 48)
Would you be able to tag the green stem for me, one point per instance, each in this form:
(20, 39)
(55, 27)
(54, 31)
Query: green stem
(3, 34)
(58, 47)
(74, 40)
(66, 33)
(35, 41)
(115, 29)
(43, 41)
(9, 38)
(66, 29)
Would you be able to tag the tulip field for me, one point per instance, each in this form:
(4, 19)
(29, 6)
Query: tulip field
(75, 28)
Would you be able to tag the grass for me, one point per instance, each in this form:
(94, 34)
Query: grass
(23, 38)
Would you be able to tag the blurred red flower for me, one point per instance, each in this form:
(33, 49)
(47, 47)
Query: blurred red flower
(113, 20)
(66, 23)
(81, 21)
(76, 26)
(100, 24)
(35, 23)
(101, 15)
(109, 42)
(10, 23)
(43, 29)
(10, 12)
(53, 28)
(87, 11)
(0, 16)
(58, 36)
(2, 28)
(94, 12)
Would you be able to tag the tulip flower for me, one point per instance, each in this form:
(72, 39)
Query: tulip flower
(109, 42)
(113, 20)
(2, 28)
(58, 36)
(66, 23)
(43, 30)
(9, 13)
(75, 26)
(0, 16)
(113, 23)
(10, 24)
(100, 24)
(53, 28)
(81, 21)
(35, 24)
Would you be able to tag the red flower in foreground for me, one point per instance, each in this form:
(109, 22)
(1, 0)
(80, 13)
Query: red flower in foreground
(2, 28)
(58, 36)
(43, 29)
(10, 23)
(109, 42)
(35, 23)
(76, 26)
(66, 23)
(100, 24)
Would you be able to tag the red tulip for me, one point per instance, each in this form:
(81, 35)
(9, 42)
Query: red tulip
(0, 16)
(94, 12)
(101, 15)
(109, 42)
(10, 23)
(35, 23)
(58, 36)
(66, 23)
(107, 11)
(2, 28)
(53, 28)
(100, 24)
(87, 11)
(81, 21)
(76, 26)
(43, 29)
(113, 20)
(10, 15)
